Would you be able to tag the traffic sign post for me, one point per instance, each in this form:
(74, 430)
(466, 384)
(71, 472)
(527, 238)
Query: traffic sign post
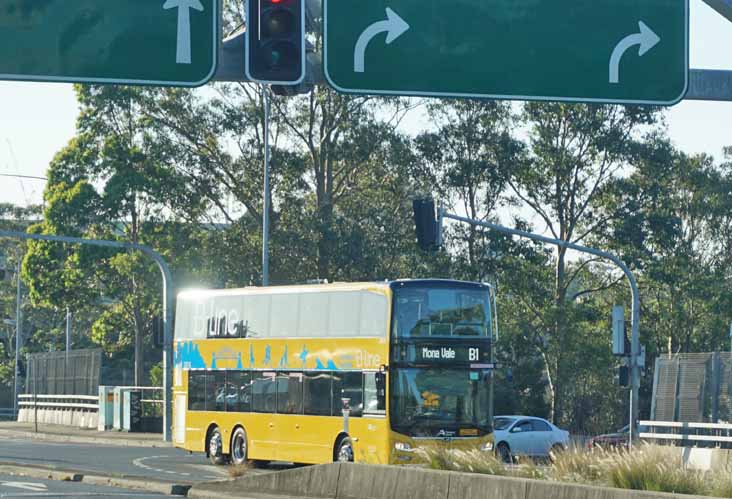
(608, 51)
(139, 42)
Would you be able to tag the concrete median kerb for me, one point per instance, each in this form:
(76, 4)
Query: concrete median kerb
(358, 481)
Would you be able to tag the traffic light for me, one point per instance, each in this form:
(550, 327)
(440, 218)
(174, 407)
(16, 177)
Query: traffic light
(158, 332)
(621, 376)
(275, 41)
(426, 224)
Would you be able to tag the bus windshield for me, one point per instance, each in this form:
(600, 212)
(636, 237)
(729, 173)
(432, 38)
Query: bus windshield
(440, 312)
(427, 402)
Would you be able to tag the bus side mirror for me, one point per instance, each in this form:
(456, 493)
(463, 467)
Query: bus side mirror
(380, 391)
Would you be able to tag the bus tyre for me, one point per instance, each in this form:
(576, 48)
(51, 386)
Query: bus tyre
(504, 453)
(215, 447)
(239, 447)
(344, 452)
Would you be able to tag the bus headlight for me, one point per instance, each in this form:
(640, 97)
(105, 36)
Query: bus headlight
(403, 447)
(487, 447)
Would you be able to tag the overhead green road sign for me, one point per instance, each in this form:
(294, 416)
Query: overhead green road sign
(147, 42)
(611, 51)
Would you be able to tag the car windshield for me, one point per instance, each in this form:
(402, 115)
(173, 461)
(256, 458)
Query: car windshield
(430, 312)
(440, 402)
(501, 423)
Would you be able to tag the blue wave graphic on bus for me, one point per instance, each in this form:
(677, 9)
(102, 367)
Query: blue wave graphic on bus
(187, 355)
(330, 365)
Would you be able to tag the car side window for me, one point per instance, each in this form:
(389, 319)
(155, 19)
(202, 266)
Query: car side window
(540, 425)
(523, 427)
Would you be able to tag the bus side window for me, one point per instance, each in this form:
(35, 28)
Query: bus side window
(210, 391)
(196, 391)
(348, 385)
(317, 396)
(373, 393)
(263, 396)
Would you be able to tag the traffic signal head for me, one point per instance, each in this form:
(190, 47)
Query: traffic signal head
(426, 224)
(275, 41)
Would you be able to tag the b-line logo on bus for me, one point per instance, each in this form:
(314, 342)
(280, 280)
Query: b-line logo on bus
(193, 355)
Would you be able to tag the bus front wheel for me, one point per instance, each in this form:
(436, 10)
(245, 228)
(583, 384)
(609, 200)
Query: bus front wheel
(344, 451)
(239, 446)
(215, 446)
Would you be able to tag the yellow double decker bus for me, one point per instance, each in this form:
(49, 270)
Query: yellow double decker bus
(364, 372)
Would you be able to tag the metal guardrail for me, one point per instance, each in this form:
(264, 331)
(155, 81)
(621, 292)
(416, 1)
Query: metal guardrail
(59, 401)
(692, 434)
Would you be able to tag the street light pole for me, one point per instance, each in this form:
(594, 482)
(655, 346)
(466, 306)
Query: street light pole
(265, 204)
(68, 334)
(168, 304)
(18, 330)
(635, 350)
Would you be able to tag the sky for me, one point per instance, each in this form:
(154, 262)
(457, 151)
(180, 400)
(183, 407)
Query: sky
(38, 119)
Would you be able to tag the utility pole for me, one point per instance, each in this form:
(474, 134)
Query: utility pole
(18, 332)
(265, 204)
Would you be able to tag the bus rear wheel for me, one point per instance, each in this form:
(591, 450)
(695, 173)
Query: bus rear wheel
(344, 451)
(215, 447)
(239, 446)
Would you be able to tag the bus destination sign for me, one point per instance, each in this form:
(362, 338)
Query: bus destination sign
(447, 353)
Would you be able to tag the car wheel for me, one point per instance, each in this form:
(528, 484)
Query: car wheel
(239, 446)
(555, 451)
(344, 452)
(215, 447)
(504, 453)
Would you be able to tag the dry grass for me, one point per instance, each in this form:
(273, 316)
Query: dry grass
(237, 470)
(646, 467)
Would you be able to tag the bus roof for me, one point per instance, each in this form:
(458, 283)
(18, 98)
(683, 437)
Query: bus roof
(344, 286)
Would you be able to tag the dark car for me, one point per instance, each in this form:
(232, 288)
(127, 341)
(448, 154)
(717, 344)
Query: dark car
(612, 440)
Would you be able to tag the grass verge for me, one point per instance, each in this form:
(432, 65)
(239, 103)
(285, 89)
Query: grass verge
(646, 467)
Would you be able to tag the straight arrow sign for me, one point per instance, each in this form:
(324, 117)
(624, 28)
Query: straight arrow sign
(183, 50)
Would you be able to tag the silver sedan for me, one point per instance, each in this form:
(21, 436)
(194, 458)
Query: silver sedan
(527, 436)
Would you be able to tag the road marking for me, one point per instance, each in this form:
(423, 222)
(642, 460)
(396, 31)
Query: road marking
(35, 487)
(79, 494)
(139, 463)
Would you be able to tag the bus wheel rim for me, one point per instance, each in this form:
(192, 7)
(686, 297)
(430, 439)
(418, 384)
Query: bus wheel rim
(240, 447)
(346, 453)
(215, 443)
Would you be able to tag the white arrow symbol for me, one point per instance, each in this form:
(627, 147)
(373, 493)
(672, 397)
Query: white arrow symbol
(394, 27)
(646, 39)
(183, 52)
(35, 487)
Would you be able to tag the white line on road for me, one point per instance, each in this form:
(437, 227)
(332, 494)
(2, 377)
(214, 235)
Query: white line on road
(139, 463)
(74, 494)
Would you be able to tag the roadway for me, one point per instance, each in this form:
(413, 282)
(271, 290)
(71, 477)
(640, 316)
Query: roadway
(19, 487)
(162, 463)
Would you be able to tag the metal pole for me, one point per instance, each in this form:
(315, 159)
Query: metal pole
(168, 304)
(635, 317)
(68, 334)
(18, 332)
(265, 205)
